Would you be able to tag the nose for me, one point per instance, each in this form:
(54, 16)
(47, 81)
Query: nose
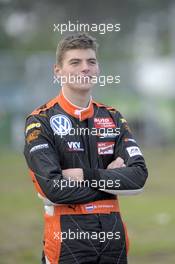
(85, 67)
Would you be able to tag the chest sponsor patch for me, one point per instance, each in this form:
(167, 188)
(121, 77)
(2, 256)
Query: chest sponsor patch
(105, 148)
(60, 124)
(74, 146)
(134, 151)
(104, 122)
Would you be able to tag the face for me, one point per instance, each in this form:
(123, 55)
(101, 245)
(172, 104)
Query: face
(78, 67)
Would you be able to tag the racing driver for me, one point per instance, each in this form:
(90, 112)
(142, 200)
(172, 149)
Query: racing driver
(81, 155)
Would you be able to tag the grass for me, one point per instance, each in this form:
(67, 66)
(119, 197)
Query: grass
(150, 217)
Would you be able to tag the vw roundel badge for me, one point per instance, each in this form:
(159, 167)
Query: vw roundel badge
(60, 124)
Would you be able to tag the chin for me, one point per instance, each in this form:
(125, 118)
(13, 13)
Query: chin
(82, 87)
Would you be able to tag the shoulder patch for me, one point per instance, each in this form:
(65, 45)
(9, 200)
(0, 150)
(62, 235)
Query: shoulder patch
(33, 135)
(110, 108)
(32, 125)
(45, 106)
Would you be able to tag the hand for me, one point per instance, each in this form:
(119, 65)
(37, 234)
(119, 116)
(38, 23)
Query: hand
(117, 163)
(73, 174)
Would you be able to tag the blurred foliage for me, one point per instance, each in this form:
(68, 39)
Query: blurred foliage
(38, 18)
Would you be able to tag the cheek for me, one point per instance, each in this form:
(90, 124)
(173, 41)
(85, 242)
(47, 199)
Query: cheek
(66, 72)
(71, 70)
(95, 70)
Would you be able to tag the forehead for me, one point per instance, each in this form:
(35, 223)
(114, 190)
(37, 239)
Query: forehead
(79, 54)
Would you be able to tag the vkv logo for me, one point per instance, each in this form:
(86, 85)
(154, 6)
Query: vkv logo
(60, 124)
(74, 145)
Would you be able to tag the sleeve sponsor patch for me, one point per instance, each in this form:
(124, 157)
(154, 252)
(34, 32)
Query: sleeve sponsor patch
(32, 125)
(134, 151)
(129, 140)
(38, 147)
(33, 135)
(123, 120)
(125, 125)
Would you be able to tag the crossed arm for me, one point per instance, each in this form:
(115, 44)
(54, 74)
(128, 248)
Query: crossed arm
(76, 174)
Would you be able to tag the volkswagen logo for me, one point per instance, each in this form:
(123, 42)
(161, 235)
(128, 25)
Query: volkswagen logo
(60, 124)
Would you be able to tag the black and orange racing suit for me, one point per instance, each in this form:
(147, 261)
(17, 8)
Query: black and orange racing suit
(82, 219)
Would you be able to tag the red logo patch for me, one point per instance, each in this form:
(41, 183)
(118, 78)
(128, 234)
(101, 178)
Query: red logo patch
(105, 147)
(104, 122)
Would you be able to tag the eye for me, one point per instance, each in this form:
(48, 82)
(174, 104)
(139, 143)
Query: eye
(74, 62)
(92, 62)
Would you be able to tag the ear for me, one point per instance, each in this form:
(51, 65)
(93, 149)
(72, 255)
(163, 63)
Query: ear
(57, 69)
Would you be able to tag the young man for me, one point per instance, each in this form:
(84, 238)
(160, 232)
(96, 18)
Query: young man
(81, 154)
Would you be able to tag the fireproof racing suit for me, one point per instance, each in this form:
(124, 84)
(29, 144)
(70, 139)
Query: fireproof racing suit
(83, 223)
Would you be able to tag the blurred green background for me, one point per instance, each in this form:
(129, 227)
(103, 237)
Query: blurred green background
(143, 54)
(150, 217)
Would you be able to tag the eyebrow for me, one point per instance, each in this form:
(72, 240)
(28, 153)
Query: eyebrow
(77, 59)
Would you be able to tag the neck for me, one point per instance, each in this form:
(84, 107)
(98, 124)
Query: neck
(80, 99)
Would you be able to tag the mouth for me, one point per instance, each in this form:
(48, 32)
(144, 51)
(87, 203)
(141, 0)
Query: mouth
(84, 78)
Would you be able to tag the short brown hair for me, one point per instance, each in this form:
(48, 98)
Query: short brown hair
(75, 41)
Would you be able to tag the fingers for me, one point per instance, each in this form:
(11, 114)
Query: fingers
(74, 174)
(117, 163)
